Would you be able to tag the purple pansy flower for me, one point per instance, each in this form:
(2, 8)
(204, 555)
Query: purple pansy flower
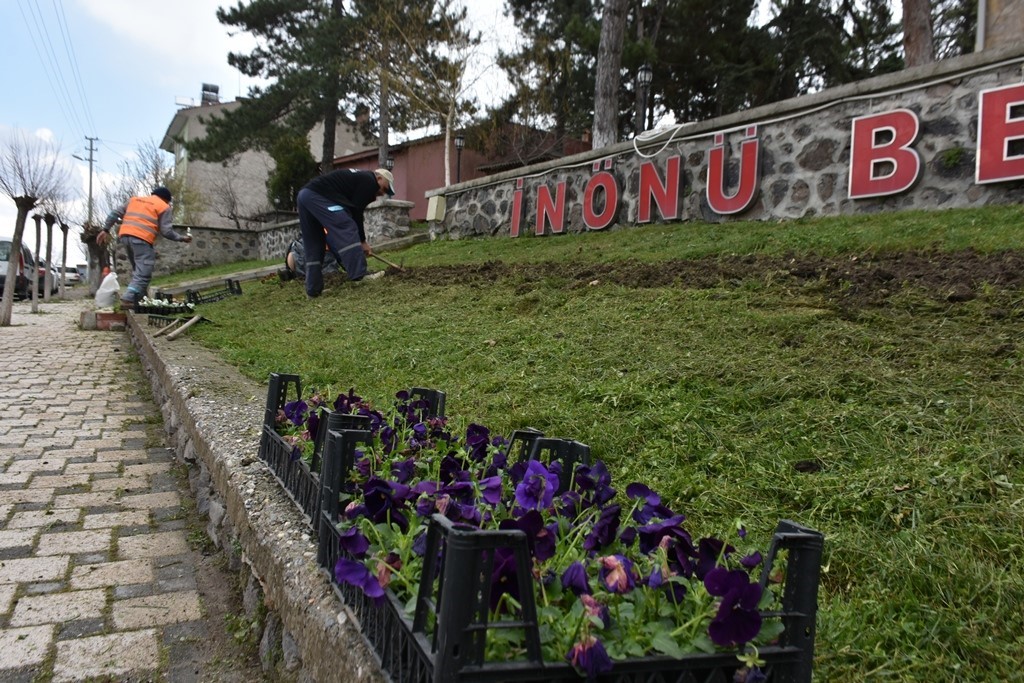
(313, 424)
(593, 608)
(382, 505)
(651, 534)
(752, 560)
(353, 542)
(589, 657)
(652, 508)
(403, 470)
(574, 578)
(356, 574)
(595, 483)
(477, 439)
(617, 573)
(490, 490)
(738, 620)
(709, 550)
(345, 402)
(296, 412)
(537, 489)
(605, 529)
(504, 576)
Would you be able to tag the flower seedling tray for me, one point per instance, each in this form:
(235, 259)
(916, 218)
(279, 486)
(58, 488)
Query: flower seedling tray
(454, 599)
(231, 288)
(440, 635)
(301, 479)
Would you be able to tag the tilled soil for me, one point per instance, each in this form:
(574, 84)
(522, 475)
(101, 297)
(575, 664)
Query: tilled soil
(854, 281)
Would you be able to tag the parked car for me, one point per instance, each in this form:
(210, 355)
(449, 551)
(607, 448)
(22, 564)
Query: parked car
(54, 278)
(24, 265)
(71, 276)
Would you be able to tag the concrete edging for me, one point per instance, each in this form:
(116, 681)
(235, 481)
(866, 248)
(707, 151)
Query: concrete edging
(213, 421)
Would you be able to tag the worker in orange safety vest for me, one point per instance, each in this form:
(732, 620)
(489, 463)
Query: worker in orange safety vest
(143, 219)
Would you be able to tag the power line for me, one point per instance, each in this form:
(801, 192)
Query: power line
(69, 48)
(55, 72)
(47, 69)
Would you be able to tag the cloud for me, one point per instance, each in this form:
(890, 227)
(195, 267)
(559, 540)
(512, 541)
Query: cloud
(178, 37)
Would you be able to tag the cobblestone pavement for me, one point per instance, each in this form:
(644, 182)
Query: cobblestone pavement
(97, 576)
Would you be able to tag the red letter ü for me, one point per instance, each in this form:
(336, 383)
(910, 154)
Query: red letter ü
(750, 174)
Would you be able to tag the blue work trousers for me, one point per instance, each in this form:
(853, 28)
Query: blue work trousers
(142, 256)
(317, 214)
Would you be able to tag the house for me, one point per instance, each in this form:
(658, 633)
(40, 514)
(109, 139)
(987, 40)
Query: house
(232, 194)
(418, 165)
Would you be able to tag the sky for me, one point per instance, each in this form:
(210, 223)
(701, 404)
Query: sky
(118, 70)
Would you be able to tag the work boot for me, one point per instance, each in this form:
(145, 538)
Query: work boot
(284, 275)
(127, 305)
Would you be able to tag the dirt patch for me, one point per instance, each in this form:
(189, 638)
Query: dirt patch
(852, 281)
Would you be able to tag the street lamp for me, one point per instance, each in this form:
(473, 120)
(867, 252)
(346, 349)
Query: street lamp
(643, 77)
(460, 142)
(89, 210)
(389, 163)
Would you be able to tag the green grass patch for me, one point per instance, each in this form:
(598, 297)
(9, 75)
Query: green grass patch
(212, 271)
(895, 429)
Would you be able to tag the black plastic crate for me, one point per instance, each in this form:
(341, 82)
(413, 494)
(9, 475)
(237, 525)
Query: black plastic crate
(457, 604)
(453, 595)
(231, 288)
(277, 395)
(301, 480)
(431, 401)
(161, 320)
(164, 310)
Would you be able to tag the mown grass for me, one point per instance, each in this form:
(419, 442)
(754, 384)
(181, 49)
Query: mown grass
(211, 271)
(911, 414)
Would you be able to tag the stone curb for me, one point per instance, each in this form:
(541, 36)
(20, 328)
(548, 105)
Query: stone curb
(213, 420)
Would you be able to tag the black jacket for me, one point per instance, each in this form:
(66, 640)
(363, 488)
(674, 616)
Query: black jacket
(353, 189)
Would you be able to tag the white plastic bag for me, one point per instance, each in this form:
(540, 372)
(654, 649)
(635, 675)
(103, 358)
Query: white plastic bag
(109, 291)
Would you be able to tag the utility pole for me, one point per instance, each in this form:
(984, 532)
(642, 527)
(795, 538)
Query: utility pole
(91, 150)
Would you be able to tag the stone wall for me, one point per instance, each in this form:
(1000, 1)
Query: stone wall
(385, 220)
(805, 157)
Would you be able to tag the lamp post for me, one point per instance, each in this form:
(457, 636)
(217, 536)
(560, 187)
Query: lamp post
(460, 142)
(643, 78)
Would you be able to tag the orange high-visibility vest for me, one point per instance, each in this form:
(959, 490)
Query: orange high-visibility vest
(142, 218)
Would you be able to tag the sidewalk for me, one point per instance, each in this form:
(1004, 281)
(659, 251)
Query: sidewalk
(98, 577)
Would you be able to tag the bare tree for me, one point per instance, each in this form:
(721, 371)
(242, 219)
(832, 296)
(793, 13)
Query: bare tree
(31, 171)
(609, 63)
(918, 47)
(435, 78)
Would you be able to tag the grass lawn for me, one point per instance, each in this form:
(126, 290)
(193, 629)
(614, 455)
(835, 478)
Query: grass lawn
(859, 375)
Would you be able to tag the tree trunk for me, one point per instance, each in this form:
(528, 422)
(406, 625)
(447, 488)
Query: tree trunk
(385, 122)
(49, 219)
(609, 63)
(33, 277)
(24, 204)
(918, 47)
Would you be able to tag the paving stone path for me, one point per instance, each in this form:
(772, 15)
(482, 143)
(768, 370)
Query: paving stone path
(97, 577)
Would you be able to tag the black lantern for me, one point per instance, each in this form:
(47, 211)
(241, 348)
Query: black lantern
(460, 142)
(643, 78)
(389, 163)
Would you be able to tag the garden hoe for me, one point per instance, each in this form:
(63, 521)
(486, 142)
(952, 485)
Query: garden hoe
(181, 330)
(394, 265)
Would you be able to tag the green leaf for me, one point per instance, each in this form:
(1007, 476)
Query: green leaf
(664, 643)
